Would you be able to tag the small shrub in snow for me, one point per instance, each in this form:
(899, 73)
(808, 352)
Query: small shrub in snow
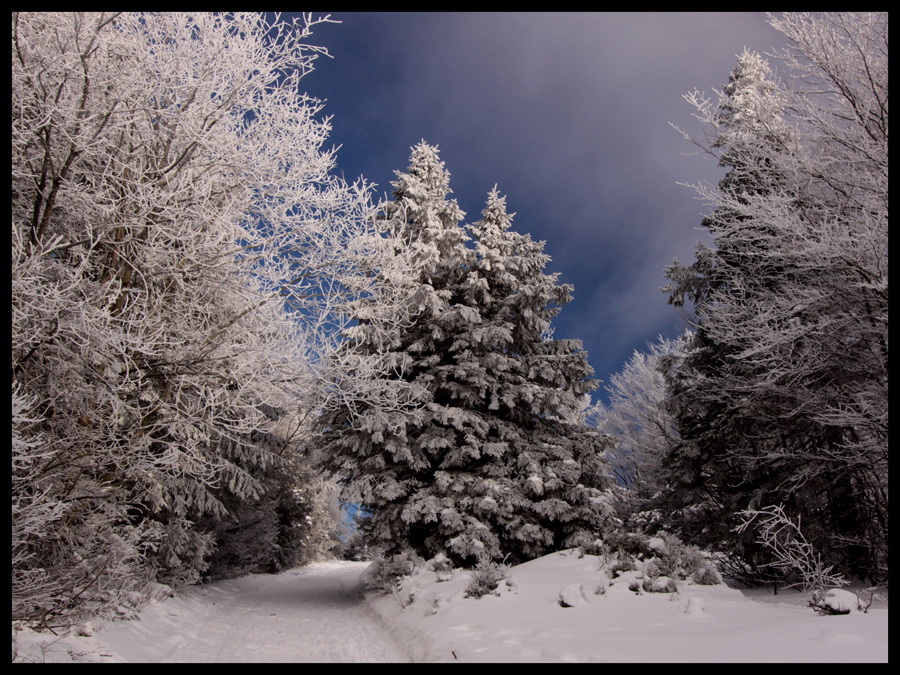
(596, 547)
(865, 597)
(682, 561)
(385, 575)
(486, 577)
(707, 575)
(603, 583)
(658, 545)
(660, 584)
(692, 564)
(692, 561)
(839, 601)
(622, 565)
(441, 566)
(833, 601)
(634, 544)
(660, 555)
(651, 569)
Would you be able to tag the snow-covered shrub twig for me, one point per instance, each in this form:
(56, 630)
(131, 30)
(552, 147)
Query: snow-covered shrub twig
(385, 575)
(784, 539)
(486, 578)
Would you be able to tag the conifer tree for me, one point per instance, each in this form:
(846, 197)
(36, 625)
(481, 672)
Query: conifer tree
(530, 388)
(782, 397)
(364, 442)
(487, 465)
(746, 124)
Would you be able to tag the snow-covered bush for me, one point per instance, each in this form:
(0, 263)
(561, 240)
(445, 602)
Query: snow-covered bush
(486, 578)
(834, 601)
(620, 565)
(654, 580)
(707, 575)
(651, 569)
(385, 574)
(660, 584)
(663, 555)
(572, 595)
(595, 547)
(441, 567)
(840, 601)
(682, 561)
(634, 544)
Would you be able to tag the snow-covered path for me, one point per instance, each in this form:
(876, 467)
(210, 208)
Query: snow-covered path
(315, 613)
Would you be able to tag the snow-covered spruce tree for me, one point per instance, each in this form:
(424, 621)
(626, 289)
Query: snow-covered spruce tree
(487, 467)
(746, 121)
(529, 388)
(783, 396)
(178, 244)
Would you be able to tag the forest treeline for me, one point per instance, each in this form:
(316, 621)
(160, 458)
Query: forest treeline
(216, 341)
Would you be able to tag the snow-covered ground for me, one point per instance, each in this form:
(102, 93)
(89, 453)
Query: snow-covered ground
(698, 623)
(318, 613)
(312, 614)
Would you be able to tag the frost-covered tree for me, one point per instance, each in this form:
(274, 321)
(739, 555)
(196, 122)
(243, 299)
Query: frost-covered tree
(488, 465)
(783, 395)
(180, 251)
(638, 419)
(363, 441)
(531, 388)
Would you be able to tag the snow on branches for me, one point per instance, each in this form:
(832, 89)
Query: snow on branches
(456, 475)
(786, 386)
(182, 257)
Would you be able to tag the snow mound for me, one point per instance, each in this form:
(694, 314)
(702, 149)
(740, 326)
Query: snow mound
(697, 623)
(572, 596)
(837, 601)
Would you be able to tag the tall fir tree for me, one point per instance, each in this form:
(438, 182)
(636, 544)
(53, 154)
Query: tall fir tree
(530, 388)
(487, 466)
(746, 123)
(782, 397)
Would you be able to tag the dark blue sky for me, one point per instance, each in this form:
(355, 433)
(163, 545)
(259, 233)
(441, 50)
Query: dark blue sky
(569, 115)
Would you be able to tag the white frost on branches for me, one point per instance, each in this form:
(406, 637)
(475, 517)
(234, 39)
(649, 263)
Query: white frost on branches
(182, 259)
(789, 377)
(637, 418)
(792, 552)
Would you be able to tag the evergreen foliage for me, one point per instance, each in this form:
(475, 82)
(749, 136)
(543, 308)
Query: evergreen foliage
(488, 466)
(288, 525)
(781, 396)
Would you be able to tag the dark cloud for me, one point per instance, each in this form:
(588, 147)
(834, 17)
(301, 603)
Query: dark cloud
(569, 115)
